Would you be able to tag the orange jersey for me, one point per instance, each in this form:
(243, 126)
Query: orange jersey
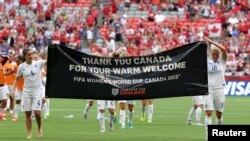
(2, 81)
(19, 86)
(9, 79)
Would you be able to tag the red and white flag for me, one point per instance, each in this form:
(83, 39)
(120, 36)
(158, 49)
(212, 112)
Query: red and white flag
(215, 30)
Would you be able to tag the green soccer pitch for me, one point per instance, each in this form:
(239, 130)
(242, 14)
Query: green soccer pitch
(169, 122)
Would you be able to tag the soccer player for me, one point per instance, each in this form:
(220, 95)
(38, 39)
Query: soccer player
(101, 104)
(144, 103)
(89, 104)
(215, 100)
(30, 70)
(10, 74)
(18, 91)
(122, 104)
(3, 94)
(196, 110)
(45, 106)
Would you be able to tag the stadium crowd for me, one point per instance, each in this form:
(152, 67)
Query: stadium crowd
(136, 27)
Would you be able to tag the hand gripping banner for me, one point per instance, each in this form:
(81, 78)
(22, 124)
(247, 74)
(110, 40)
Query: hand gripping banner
(174, 73)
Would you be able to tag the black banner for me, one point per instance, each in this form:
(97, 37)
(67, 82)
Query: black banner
(178, 72)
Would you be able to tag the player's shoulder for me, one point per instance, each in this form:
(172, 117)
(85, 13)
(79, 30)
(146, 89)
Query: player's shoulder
(22, 65)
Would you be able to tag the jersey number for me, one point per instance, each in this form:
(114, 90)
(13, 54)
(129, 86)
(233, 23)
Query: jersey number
(214, 68)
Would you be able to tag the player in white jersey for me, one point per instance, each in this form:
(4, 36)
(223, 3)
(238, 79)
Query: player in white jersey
(122, 104)
(101, 104)
(150, 103)
(30, 70)
(215, 100)
(90, 102)
(196, 109)
(45, 101)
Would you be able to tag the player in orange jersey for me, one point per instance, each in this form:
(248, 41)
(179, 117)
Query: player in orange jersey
(3, 95)
(10, 68)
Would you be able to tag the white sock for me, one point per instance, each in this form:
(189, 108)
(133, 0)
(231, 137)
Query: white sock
(11, 111)
(8, 104)
(98, 115)
(198, 114)
(208, 121)
(143, 110)
(111, 117)
(191, 114)
(122, 116)
(150, 111)
(44, 110)
(219, 121)
(17, 110)
(102, 120)
(130, 116)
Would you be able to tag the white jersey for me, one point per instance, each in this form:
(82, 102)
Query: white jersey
(32, 75)
(216, 72)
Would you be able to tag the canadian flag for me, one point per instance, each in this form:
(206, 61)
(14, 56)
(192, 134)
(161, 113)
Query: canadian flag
(215, 29)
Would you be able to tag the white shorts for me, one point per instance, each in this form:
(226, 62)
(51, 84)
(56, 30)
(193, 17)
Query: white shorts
(18, 95)
(10, 88)
(32, 101)
(3, 94)
(215, 100)
(6, 90)
(101, 104)
(198, 100)
(131, 102)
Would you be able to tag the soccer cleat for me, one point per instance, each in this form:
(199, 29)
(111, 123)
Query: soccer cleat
(102, 130)
(14, 119)
(4, 113)
(130, 125)
(142, 118)
(199, 124)
(149, 121)
(29, 137)
(2, 117)
(122, 125)
(85, 116)
(189, 122)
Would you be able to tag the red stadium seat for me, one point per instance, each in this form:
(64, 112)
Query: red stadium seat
(87, 4)
(79, 5)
